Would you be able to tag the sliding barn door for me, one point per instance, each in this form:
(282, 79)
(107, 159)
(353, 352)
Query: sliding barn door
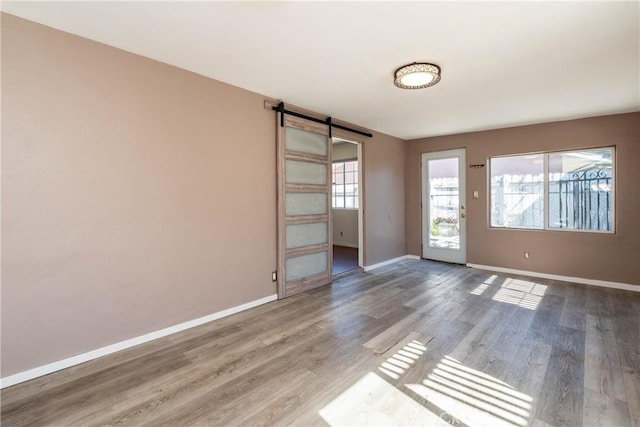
(305, 248)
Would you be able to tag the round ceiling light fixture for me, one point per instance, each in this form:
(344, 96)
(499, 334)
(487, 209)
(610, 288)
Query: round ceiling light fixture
(418, 75)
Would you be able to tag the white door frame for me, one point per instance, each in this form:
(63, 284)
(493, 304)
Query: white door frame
(359, 145)
(444, 254)
(360, 207)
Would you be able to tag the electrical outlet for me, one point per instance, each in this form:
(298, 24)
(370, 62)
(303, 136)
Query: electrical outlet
(526, 254)
(274, 276)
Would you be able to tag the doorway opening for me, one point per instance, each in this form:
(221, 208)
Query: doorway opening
(444, 236)
(346, 205)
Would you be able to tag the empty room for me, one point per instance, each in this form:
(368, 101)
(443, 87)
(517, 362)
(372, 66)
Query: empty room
(320, 213)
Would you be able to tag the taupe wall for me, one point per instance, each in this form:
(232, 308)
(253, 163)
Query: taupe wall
(344, 151)
(345, 227)
(384, 203)
(612, 257)
(137, 195)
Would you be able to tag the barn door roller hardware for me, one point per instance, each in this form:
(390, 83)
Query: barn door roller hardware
(280, 109)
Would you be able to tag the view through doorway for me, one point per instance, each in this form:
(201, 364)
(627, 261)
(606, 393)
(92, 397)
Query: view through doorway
(346, 202)
(443, 206)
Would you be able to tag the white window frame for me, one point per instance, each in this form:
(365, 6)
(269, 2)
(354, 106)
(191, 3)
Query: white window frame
(545, 212)
(357, 183)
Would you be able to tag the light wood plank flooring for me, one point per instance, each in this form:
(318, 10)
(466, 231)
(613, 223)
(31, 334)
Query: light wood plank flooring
(415, 343)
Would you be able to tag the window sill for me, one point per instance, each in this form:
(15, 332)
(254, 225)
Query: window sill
(493, 227)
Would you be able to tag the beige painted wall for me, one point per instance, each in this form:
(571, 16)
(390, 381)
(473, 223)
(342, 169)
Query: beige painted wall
(131, 190)
(344, 151)
(384, 199)
(612, 257)
(345, 227)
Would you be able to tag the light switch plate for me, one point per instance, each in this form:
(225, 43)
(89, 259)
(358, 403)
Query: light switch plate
(476, 194)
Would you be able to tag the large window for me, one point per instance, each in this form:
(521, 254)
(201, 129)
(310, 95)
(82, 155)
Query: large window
(345, 185)
(571, 190)
(517, 191)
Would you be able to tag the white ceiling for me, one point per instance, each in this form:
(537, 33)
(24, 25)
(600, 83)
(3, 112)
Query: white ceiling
(503, 64)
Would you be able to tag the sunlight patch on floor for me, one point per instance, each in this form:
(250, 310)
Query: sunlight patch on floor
(402, 360)
(372, 401)
(484, 286)
(455, 394)
(523, 293)
(473, 397)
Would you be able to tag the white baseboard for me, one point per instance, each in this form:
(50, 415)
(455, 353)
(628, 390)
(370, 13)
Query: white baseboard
(581, 280)
(413, 257)
(94, 354)
(387, 262)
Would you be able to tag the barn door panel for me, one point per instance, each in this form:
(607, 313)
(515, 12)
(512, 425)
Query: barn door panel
(304, 208)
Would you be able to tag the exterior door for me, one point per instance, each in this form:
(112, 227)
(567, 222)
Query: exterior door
(444, 206)
(305, 249)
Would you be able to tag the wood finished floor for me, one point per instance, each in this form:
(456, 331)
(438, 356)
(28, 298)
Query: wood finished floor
(344, 259)
(416, 343)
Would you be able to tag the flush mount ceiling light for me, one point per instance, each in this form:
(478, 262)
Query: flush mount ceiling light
(418, 75)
